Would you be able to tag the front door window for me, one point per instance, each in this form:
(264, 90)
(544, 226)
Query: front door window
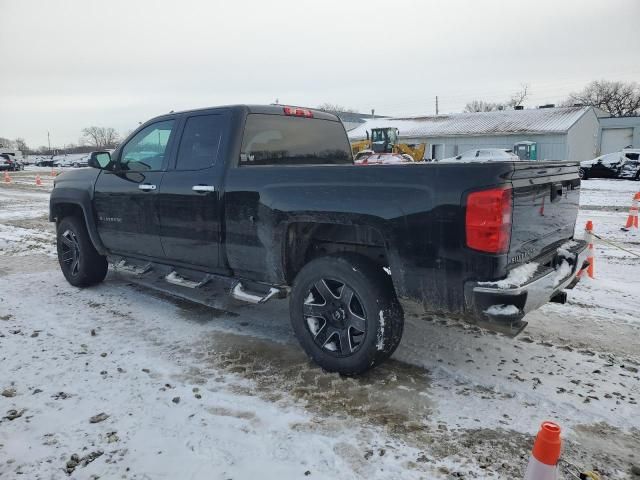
(146, 150)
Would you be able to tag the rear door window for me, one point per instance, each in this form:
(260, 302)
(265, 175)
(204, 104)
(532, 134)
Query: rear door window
(200, 143)
(284, 140)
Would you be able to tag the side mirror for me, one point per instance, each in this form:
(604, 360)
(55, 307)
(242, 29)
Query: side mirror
(99, 160)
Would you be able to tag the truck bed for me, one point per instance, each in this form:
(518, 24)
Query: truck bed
(417, 210)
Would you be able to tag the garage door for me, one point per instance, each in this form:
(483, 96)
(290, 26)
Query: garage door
(615, 139)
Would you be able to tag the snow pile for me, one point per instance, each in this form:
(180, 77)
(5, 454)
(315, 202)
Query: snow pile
(564, 249)
(517, 277)
(380, 343)
(502, 310)
(561, 273)
(314, 325)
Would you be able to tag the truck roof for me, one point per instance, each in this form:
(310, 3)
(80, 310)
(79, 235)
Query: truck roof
(246, 108)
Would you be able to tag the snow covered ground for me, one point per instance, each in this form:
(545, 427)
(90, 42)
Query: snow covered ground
(188, 391)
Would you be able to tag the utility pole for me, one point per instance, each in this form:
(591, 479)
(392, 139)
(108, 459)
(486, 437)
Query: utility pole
(49, 142)
(436, 105)
(373, 114)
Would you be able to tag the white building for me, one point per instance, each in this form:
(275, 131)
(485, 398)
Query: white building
(617, 133)
(569, 133)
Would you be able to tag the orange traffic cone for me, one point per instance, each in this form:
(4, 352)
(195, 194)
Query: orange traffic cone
(543, 463)
(590, 256)
(7, 178)
(632, 219)
(38, 181)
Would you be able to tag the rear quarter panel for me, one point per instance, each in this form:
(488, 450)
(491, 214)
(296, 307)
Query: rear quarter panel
(417, 208)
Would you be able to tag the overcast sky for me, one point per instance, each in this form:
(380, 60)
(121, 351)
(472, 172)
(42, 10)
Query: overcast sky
(65, 65)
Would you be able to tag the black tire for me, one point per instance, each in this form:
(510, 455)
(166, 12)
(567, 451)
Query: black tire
(584, 174)
(358, 325)
(80, 263)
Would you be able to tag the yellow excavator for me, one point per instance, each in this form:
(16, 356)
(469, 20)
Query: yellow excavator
(385, 140)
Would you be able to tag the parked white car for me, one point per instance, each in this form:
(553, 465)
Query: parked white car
(485, 155)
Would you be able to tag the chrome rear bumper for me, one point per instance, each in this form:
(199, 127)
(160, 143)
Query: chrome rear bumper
(545, 286)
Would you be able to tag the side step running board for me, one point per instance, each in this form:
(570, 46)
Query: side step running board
(175, 279)
(239, 293)
(135, 269)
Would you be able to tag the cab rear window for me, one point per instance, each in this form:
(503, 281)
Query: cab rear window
(284, 140)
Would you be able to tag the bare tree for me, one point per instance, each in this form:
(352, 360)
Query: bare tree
(481, 106)
(334, 108)
(620, 99)
(92, 136)
(21, 145)
(516, 100)
(110, 137)
(100, 137)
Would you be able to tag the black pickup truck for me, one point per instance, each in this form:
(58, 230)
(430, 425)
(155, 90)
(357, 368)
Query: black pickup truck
(268, 200)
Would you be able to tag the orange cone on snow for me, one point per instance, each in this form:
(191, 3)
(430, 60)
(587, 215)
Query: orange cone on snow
(632, 219)
(38, 181)
(543, 463)
(7, 178)
(590, 255)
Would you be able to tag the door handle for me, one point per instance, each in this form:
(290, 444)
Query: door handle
(203, 188)
(146, 187)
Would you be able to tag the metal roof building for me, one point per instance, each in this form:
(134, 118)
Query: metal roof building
(352, 120)
(569, 133)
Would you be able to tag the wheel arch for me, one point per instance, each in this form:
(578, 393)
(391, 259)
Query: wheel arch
(305, 241)
(62, 205)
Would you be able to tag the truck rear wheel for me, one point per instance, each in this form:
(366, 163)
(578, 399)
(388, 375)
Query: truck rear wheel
(80, 263)
(345, 314)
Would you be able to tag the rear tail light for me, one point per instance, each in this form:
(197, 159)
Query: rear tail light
(298, 112)
(488, 220)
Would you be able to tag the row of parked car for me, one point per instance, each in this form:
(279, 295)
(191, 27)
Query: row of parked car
(73, 160)
(623, 164)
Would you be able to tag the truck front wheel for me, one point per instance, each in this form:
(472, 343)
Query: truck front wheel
(80, 263)
(345, 314)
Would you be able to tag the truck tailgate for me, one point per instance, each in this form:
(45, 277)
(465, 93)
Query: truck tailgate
(546, 200)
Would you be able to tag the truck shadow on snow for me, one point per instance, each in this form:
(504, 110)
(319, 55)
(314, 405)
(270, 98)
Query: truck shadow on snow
(257, 343)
